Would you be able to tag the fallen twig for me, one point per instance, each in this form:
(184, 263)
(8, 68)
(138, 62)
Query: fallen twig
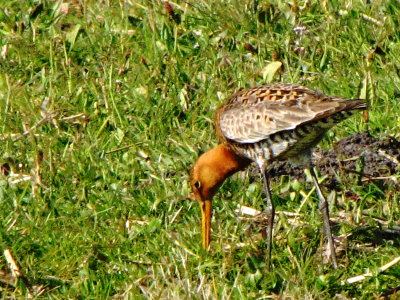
(46, 118)
(389, 157)
(245, 210)
(250, 211)
(370, 274)
(12, 264)
(392, 177)
(16, 271)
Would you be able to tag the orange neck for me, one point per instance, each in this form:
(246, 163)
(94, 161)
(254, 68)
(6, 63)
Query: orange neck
(216, 165)
(227, 162)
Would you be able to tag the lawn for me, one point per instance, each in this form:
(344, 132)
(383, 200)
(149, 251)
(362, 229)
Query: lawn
(104, 107)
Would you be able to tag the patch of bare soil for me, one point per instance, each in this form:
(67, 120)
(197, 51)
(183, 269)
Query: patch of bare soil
(368, 157)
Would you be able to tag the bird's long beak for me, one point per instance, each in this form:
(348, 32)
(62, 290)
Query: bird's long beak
(206, 213)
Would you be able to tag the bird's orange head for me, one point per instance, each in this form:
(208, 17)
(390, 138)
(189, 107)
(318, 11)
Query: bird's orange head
(206, 176)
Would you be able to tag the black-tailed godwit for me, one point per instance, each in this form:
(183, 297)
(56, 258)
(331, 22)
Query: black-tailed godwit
(261, 125)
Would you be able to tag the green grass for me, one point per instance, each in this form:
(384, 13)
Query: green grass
(103, 223)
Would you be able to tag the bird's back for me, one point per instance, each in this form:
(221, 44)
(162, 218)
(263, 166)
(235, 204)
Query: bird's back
(279, 121)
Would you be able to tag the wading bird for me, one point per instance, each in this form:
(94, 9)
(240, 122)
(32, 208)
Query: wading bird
(262, 125)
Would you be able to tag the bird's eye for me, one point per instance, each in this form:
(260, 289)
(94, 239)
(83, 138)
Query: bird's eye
(197, 184)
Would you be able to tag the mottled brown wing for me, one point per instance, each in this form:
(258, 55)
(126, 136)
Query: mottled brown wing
(250, 117)
(271, 92)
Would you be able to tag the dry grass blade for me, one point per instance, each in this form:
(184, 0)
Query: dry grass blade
(181, 245)
(122, 148)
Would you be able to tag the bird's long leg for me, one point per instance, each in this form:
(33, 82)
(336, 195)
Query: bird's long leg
(324, 209)
(270, 209)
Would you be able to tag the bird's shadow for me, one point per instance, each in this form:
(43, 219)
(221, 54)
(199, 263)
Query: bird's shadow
(374, 236)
